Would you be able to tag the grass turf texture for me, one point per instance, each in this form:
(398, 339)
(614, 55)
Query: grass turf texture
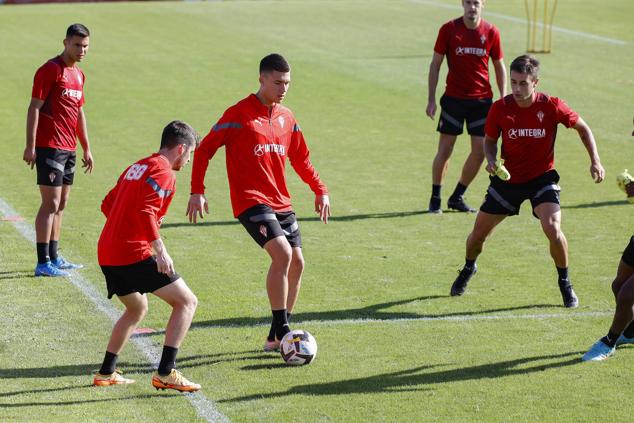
(359, 92)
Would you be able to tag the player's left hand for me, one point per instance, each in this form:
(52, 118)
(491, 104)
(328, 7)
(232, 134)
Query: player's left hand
(597, 172)
(322, 207)
(87, 162)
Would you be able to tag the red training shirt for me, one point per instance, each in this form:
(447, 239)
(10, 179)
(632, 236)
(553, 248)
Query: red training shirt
(62, 89)
(257, 144)
(528, 134)
(134, 210)
(468, 52)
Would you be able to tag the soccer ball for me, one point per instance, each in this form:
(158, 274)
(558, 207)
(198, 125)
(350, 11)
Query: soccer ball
(298, 347)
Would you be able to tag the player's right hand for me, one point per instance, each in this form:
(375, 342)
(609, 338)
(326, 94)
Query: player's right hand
(29, 156)
(431, 109)
(492, 167)
(195, 206)
(164, 262)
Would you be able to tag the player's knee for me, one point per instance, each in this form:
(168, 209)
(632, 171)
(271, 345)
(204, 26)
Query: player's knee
(138, 312)
(51, 206)
(625, 298)
(62, 205)
(298, 263)
(282, 255)
(553, 232)
(477, 154)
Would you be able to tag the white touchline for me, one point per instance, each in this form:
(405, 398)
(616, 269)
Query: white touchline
(204, 407)
(523, 21)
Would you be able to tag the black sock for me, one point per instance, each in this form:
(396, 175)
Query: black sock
(629, 331)
(459, 190)
(435, 190)
(42, 252)
(52, 249)
(281, 323)
(563, 273)
(168, 360)
(469, 263)
(610, 339)
(109, 363)
(271, 336)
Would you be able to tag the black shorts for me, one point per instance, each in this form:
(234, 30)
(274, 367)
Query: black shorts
(140, 277)
(264, 224)
(54, 166)
(505, 198)
(628, 254)
(454, 112)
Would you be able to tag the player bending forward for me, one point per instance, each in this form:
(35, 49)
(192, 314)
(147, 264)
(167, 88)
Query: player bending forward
(134, 209)
(527, 121)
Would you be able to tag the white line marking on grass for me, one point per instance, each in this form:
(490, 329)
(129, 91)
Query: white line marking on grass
(540, 316)
(204, 407)
(523, 21)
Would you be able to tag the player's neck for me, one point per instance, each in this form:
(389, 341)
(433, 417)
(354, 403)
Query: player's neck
(269, 104)
(527, 102)
(471, 24)
(67, 60)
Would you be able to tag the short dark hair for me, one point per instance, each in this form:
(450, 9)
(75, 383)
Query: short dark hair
(178, 132)
(274, 62)
(526, 64)
(78, 30)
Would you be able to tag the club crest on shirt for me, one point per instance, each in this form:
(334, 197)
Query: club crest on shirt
(483, 39)
(540, 116)
(263, 231)
(281, 121)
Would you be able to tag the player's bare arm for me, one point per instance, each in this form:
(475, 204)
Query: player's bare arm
(82, 134)
(434, 72)
(322, 207)
(490, 153)
(197, 203)
(500, 76)
(163, 260)
(32, 117)
(587, 138)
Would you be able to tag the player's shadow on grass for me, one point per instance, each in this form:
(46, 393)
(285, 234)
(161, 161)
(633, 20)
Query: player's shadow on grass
(422, 377)
(347, 218)
(129, 367)
(111, 400)
(372, 312)
(16, 274)
(595, 204)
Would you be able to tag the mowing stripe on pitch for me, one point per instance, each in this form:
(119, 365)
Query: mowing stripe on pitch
(204, 407)
(523, 21)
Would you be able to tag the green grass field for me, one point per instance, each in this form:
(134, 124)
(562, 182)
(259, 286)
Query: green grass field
(393, 346)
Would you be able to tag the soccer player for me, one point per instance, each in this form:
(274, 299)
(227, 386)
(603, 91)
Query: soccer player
(259, 134)
(527, 121)
(55, 120)
(622, 329)
(135, 261)
(468, 42)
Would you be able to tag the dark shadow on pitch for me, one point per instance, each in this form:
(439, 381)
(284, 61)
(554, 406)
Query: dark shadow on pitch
(70, 370)
(420, 377)
(373, 312)
(90, 401)
(40, 391)
(348, 218)
(595, 204)
(17, 274)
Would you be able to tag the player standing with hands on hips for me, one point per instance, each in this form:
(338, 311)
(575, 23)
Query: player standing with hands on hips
(259, 134)
(527, 121)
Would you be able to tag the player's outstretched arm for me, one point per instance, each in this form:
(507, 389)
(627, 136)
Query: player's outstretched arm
(32, 118)
(322, 207)
(197, 203)
(587, 138)
(163, 260)
(432, 83)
